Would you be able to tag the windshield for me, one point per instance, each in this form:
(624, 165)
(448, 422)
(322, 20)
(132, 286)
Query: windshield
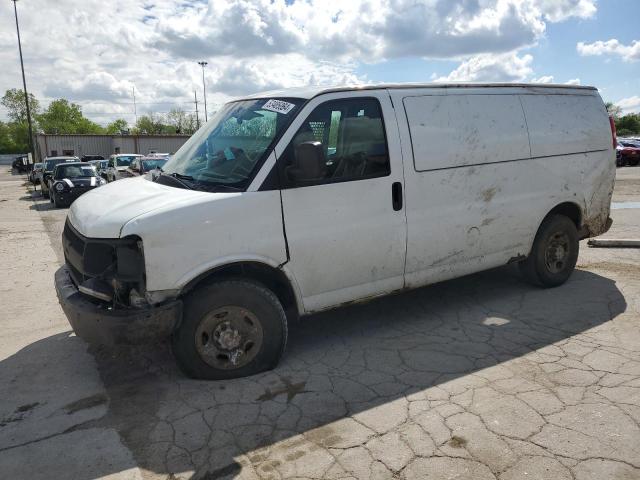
(75, 171)
(227, 150)
(50, 164)
(151, 164)
(125, 161)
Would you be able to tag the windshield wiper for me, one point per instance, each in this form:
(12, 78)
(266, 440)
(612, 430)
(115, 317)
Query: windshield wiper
(176, 177)
(181, 176)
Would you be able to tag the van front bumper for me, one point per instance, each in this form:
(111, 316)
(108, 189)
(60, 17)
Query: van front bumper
(99, 324)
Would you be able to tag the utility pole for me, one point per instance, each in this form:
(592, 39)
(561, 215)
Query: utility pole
(24, 82)
(195, 97)
(135, 108)
(204, 90)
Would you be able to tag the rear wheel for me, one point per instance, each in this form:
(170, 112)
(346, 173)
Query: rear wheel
(230, 329)
(554, 253)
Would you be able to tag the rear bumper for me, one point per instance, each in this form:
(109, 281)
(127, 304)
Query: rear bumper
(99, 324)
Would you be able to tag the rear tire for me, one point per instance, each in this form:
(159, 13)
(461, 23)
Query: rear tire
(554, 253)
(230, 329)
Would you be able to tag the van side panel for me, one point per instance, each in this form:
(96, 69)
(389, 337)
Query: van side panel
(478, 210)
(562, 124)
(573, 132)
(467, 130)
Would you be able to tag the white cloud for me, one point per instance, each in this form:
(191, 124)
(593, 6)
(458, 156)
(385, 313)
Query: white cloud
(629, 53)
(629, 104)
(559, 10)
(543, 79)
(506, 67)
(573, 81)
(94, 52)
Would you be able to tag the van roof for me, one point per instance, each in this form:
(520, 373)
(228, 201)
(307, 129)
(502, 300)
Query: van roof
(312, 91)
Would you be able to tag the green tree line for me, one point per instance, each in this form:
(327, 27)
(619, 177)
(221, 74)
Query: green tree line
(65, 117)
(626, 125)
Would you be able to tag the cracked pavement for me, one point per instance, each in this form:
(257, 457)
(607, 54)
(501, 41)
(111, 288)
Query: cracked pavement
(483, 377)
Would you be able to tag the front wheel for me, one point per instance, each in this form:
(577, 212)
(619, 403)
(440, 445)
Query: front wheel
(554, 253)
(230, 329)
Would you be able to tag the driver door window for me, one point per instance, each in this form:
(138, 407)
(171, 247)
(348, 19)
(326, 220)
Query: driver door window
(341, 140)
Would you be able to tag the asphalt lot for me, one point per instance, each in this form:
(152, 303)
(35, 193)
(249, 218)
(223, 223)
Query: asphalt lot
(477, 378)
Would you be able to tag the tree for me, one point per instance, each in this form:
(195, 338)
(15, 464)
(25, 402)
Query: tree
(182, 121)
(13, 101)
(614, 110)
(14, 137)
(62, 116)
(117, 126)
(152, 124)
(628, 125)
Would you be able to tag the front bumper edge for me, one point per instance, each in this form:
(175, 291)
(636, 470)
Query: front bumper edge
(100, 325)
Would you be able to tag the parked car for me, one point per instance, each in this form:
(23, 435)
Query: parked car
(47, 171)
(88, 158)
(21, 164)
(144, 165)
(118, 165)
(629, 153)
(101, 167)
(35, 172)
(70, 180)
(257, 219)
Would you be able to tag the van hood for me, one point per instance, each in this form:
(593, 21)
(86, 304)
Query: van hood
(103, 212)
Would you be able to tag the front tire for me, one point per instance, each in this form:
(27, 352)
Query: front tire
(554, 253)
(230, 329)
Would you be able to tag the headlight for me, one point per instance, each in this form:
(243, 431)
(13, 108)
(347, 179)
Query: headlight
(59, 187)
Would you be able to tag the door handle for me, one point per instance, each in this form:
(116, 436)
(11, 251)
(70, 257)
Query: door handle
(396, 195)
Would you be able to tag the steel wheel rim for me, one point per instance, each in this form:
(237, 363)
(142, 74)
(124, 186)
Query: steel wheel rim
(556, 254)
(229, 337)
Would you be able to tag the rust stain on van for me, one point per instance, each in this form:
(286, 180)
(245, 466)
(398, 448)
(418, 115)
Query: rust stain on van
(489, 193)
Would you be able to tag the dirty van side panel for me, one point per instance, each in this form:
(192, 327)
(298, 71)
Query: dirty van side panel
(572, 133)
(475, 198)
(478, 129)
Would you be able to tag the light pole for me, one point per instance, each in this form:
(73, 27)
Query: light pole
(204, 90)
(24, 82)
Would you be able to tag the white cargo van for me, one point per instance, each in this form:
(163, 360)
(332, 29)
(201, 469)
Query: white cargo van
(297, 201)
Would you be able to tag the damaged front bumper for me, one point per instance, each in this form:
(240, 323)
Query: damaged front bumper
(98, 323)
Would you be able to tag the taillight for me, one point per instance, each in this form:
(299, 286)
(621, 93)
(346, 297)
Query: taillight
(613, 132)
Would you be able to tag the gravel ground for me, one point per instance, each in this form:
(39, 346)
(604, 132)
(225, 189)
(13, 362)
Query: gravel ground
(477, 378)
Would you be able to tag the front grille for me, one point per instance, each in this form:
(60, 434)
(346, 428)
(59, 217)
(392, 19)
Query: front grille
(73, 245)
(89, 257)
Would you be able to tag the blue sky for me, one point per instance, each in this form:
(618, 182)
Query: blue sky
(258, 45)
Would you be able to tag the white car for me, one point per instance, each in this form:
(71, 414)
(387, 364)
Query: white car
(305, 200)
(118, 165)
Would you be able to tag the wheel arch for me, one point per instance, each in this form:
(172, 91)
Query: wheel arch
(568, 209)
(276, 279)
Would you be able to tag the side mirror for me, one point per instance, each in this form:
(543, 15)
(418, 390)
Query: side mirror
(310, 164)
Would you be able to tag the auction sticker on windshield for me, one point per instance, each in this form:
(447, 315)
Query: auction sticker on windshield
(278, 106)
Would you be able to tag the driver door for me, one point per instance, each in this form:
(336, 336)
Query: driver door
(343, 209)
